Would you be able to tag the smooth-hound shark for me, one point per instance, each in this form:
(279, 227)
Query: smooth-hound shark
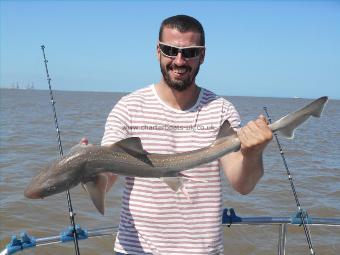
(127, 157)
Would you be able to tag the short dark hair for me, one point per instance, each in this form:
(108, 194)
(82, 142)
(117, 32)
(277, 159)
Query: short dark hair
(183, 23)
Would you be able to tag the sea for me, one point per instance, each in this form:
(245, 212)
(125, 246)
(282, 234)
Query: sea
(29, 142)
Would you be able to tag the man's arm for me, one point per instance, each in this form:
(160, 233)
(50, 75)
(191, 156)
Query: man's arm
(244, 168)
(116, 129)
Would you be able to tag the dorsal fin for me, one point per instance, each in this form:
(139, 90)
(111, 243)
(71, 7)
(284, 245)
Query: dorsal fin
(225, 130)
(131, 145)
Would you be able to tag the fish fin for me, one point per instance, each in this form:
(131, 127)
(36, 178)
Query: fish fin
(314, 109)
(187, 177)
(288, 131)
(174, 183)
(131, 145)
(177, 185)
(97, 191)
(186, 193)
(225, 130)
(318, 110)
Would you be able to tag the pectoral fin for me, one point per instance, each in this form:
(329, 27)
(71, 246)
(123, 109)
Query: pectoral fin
(97, 191)
(174, 183)
(177, 184)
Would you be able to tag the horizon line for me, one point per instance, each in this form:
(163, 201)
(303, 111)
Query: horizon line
(127, 92)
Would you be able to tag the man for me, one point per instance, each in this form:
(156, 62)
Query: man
(172, 116)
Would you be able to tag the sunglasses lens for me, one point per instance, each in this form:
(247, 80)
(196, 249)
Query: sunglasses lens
(171, 51)
(168, 50)
(190, 52)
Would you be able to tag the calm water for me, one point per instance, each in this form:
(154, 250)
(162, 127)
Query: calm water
(28, 142)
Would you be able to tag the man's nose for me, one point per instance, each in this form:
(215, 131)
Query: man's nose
(179, 59)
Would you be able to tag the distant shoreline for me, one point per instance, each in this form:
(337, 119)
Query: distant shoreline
(125, 93)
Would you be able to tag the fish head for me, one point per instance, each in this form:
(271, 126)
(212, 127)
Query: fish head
(60, 176)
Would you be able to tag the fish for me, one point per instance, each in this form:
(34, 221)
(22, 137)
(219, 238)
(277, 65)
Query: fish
(87, 164)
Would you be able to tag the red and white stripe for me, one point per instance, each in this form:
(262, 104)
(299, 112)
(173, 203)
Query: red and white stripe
(155, 219)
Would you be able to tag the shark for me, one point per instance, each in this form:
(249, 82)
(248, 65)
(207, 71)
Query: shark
(87, 165)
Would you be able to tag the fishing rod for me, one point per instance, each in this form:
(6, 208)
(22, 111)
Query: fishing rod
(302, 213)
(68, 195)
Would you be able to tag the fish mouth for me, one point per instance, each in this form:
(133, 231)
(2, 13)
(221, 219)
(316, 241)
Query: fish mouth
(32, 194)
(35, 189)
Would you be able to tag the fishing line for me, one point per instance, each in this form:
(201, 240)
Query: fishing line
(69, 202)
(302, 213)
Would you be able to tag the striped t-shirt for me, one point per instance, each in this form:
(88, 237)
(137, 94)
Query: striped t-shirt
(155, 219)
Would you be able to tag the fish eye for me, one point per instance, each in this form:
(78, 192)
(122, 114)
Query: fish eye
(51, 189)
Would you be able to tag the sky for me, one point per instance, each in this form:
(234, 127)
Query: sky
(253, 48)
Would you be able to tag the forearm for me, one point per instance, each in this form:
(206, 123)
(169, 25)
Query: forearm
(243, 172)
(244, 168)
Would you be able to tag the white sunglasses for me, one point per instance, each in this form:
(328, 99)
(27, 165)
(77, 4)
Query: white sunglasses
(172, 51)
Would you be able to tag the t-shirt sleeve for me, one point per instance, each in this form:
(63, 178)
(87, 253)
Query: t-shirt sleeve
(230, 113)
(117, 124)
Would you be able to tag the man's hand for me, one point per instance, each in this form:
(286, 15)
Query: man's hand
(254, 137)
(84, 141)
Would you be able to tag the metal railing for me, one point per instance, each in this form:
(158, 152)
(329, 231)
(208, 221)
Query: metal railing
(229, 218)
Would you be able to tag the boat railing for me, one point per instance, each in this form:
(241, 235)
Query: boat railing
(229, 218)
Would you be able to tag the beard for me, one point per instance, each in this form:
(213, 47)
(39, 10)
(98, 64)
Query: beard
(179, 85)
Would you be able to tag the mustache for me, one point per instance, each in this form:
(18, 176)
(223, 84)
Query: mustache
(174, 66)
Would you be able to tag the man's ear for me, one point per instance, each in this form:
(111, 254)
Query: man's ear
(202, 56)
(158, 52)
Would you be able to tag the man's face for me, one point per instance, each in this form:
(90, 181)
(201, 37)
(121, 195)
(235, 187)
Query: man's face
(180, 72)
